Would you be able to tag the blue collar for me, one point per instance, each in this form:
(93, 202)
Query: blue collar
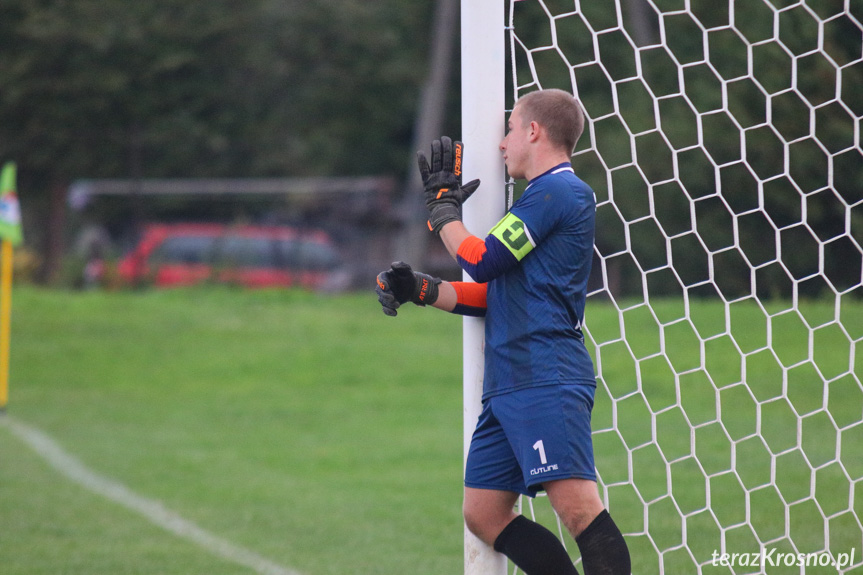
(561, 167)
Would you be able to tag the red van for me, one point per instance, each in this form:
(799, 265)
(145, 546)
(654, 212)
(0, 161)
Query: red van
(251, 256)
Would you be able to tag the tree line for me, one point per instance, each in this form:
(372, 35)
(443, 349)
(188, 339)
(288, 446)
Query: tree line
(169, 88)
(738, 178)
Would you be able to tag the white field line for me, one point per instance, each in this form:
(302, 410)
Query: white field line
(152, 510)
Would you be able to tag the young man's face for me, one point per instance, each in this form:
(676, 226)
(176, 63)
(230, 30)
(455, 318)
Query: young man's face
(515, 144)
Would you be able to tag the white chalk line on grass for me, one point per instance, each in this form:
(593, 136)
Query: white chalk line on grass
(151, 509)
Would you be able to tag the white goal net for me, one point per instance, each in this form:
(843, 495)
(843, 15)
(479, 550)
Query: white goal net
(725, 313)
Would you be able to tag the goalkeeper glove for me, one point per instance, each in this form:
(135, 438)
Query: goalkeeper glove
(444, 192)
(400, 284)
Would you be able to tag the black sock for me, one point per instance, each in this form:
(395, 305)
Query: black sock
(603, 549)
(533, 548)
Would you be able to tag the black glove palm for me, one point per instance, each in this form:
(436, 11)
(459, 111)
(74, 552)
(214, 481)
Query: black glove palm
(444, 192)
(400, 284)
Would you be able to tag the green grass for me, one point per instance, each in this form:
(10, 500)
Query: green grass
(312, 430)
(317, 432)
(686, 400)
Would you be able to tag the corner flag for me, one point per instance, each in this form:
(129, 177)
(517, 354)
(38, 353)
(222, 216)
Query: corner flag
(10, 235)
(10, 211)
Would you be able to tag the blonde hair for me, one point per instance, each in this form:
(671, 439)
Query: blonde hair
(558, 112)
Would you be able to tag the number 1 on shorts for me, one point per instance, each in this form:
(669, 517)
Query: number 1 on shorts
(541, 448)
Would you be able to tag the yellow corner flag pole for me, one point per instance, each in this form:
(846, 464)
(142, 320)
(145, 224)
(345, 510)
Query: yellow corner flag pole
(10, 235)
(5, 316)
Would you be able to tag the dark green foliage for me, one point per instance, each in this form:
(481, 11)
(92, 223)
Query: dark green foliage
(716, 138)
(104, 88)
(95, 88)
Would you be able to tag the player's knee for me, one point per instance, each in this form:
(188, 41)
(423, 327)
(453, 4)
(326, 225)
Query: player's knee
(486, 523)
(576, 502)
(474, 520)
(577, 521)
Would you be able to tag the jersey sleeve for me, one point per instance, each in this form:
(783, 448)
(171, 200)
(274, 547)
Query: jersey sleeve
(507, 243)
(470, 298)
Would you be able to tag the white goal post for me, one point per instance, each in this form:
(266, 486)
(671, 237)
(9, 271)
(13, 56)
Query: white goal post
(483, 116)
(725, 309)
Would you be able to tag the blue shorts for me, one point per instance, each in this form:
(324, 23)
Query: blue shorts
(530, 436)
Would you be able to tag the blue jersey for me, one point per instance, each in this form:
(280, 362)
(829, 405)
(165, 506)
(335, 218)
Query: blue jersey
(537, 261)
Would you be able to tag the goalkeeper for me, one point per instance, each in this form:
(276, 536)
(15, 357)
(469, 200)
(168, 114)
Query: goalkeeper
(531, 275)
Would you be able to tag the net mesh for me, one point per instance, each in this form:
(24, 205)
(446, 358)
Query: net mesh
(724, 311)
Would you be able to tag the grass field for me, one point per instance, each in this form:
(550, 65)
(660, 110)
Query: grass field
(718, 432)
(326, 437)
(313, 430)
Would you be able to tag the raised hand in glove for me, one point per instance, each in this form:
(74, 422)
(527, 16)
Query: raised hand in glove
(444, 192)
(400, 284)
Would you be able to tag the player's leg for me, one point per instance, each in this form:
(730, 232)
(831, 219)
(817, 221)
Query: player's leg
(492, 478)
(534, 549)
(602, 546)
(549, 428)
(493, 481)
(576, 502)
(487, 512)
